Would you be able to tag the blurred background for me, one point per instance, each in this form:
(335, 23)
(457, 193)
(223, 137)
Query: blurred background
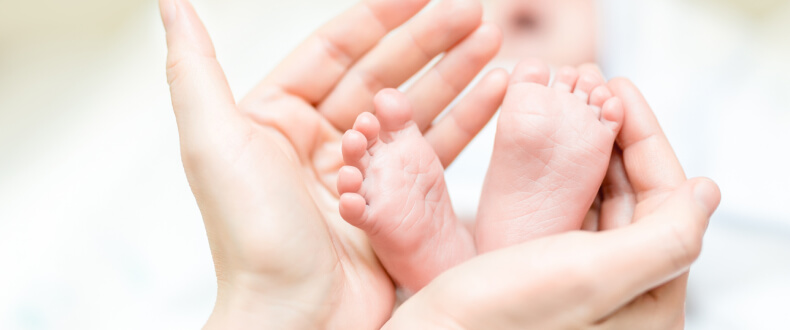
(99, 230)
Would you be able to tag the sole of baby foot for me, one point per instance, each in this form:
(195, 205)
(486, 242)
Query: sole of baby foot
(393, 188)
(552, 149)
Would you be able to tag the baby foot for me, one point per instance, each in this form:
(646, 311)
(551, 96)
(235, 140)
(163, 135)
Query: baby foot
(392, 187)
(551, 152)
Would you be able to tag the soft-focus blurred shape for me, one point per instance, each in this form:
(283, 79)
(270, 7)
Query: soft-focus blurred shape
(561, 32)
(98, 228)
(21, 21)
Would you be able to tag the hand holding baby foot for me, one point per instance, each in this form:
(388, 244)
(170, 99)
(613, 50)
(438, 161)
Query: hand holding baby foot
(631, 275)
(393, 188)
(551, 152)
(264, 171)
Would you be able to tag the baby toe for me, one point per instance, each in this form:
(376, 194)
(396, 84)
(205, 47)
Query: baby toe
(353, 209)
(598, 97)
(565, 79)
(349, 180)
(612, 114)
(354, 148)
(531, 71)
(369, 126)
(589, 78)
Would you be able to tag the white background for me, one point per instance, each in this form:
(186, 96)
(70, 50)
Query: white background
(98, 229)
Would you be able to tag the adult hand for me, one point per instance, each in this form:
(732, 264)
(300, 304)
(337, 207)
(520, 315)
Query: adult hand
(631, 275)
(263, 171)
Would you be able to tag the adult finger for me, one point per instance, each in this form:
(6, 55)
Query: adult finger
(454, 132)
(658, 248)
(618, 199)
(581, 277)
(198, 88)
(650, 311)
(652, 169)
(445, 81)
(314, 68)
(399, 57)
(651, 164)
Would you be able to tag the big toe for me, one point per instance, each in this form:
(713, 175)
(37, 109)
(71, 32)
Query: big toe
(531, 71)
(392, 110)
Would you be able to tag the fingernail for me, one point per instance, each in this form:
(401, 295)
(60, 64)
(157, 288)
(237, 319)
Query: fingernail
(708, 195)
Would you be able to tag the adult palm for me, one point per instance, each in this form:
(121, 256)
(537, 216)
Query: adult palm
(263, 170)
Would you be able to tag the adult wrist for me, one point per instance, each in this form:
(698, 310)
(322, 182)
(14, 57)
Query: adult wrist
(240, 307)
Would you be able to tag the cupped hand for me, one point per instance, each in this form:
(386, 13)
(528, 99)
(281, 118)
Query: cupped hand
(630, 274)
(263, 170)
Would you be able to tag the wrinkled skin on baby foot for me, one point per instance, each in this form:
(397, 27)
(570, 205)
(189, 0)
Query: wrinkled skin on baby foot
(393, 188)
(551, 153)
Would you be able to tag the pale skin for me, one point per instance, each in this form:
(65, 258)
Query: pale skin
(551, 153)
(562, 32)
(392, 187)
(550, 156)
(629, 272)
(263, 170)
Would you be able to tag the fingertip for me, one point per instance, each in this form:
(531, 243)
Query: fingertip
(494, 85)
(185, 33)
(498, 77)
(167, 9)
(620, 83)
(493, 34)
(707, 193)
(625, 89)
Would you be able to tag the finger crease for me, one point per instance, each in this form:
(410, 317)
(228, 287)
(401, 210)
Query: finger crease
(336, 52)
(377, 18)
(371, 81)
(426, 54)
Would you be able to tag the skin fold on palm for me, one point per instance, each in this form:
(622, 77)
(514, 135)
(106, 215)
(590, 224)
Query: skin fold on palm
(263, 171)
